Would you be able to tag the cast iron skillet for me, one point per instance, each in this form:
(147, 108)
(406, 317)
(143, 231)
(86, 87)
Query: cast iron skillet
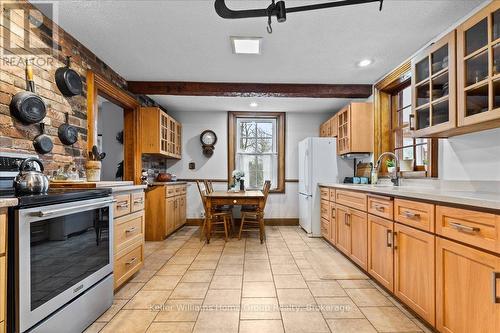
(67, 133)
(43, 143)
(27, 106)
(68, 81)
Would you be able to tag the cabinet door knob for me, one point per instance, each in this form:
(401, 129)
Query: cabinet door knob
(495, 277)
(389, 238)
(235, 201)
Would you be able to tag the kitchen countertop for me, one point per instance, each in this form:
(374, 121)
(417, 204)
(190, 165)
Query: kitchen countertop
(167, 183)
(444, 194)
(115, 189)
(8, 202)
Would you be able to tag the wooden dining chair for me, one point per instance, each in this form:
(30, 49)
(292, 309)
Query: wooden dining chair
(252, 217)
(216, 218)
(210, 188)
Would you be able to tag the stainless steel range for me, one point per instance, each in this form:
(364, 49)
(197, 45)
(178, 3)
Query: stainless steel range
(60, 256)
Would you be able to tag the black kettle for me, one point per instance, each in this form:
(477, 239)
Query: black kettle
(31, 181)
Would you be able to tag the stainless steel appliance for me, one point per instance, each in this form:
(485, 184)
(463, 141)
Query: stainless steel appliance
(60, 269)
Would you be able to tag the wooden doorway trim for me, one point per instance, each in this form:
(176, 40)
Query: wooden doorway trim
(98, 85)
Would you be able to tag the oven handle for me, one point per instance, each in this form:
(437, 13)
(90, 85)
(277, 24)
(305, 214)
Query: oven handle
(45, 213)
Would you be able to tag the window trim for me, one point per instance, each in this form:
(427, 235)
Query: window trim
(383, 116)
(232, 135)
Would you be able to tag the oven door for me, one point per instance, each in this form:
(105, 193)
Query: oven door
(62, 250)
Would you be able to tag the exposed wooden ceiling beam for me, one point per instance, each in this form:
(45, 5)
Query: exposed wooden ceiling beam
(250, 89)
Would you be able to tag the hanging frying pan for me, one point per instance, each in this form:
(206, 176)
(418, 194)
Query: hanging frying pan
(67, 133)
(27, 106)
(68, 81)
(43, 143)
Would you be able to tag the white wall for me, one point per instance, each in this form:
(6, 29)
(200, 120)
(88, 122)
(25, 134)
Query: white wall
(109, 123)
(474, 156)
(298, 127)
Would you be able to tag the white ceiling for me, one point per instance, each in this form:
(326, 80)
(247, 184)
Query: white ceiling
(284, 104)
(186, 41)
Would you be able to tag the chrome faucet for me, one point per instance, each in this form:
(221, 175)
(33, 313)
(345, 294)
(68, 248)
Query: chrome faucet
(395, 175)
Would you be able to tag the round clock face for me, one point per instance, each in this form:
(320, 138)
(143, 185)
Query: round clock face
(208, 138)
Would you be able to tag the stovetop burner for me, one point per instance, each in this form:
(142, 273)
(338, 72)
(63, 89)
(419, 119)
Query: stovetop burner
(56, 196)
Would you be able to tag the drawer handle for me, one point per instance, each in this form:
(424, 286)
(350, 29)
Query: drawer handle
(464, 228)
(495, 277)
(389, 238)
(129, 230)
(379, 208)
(139, 201)
(122, 204)
(410, 215)
(131, 261)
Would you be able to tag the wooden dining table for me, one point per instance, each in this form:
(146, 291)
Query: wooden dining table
(222, 198)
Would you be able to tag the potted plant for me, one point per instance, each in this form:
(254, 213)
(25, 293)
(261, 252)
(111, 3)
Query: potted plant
(238, 181)
(391, 165)
(93, 165)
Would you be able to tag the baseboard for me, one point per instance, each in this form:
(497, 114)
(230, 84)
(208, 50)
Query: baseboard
(271, 221)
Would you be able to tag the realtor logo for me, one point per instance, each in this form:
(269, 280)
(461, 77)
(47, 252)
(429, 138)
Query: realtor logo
(27, 30)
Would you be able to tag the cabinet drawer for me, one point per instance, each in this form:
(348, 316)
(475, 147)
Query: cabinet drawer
(325, 209)
(351, 199)
(471, 227)
(381, 206)
(3, 230)
(127, 263)
(122, 205)
(183, 189)
(128, 229)
(178, 189)
(324, 193)
(222, 202)
(332, 195)
(137, 201)
(170, 191)
(325, 228)
(416, 214)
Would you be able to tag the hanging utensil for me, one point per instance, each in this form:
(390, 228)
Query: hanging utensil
(43, 143)
(27, 106)
(68, 81)
(67, 133)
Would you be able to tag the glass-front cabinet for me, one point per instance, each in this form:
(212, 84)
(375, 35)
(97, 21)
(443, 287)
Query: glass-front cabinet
(478, 67)
(433, 89)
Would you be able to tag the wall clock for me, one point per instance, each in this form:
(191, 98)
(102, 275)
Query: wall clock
(208, 140)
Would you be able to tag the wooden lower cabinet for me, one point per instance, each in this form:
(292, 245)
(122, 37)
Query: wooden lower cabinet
(128, 235)
(352, 234)
(380, 250)
(414, 270)
(358, 223)
(165, 210)
(465, 299)
(343, 230)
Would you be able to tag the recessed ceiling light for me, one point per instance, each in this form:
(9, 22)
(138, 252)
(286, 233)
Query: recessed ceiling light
(254, 104)
(365, 63)
(246, 45)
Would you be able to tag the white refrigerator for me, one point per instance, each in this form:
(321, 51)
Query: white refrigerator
(318, 163)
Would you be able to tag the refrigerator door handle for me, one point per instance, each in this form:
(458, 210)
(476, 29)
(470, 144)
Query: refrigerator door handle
(306, 195)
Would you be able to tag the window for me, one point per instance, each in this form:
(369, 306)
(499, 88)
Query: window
(256, 147)
(406, 147)
(392, 107)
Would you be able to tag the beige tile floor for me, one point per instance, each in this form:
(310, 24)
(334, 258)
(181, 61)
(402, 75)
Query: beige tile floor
(243, 286)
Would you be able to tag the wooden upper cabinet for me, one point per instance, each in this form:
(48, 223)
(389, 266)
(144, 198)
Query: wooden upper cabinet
(355, 129)
(329, 129)
(434, 89)
(160, 133)
(466, 299)
(478, 69)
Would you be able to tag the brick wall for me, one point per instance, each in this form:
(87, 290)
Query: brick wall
(16, 137)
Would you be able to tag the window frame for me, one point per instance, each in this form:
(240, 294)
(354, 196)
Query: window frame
(384, 90)
(233, 136)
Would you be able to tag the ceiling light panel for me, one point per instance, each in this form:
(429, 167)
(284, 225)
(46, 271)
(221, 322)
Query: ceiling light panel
(246, 45)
